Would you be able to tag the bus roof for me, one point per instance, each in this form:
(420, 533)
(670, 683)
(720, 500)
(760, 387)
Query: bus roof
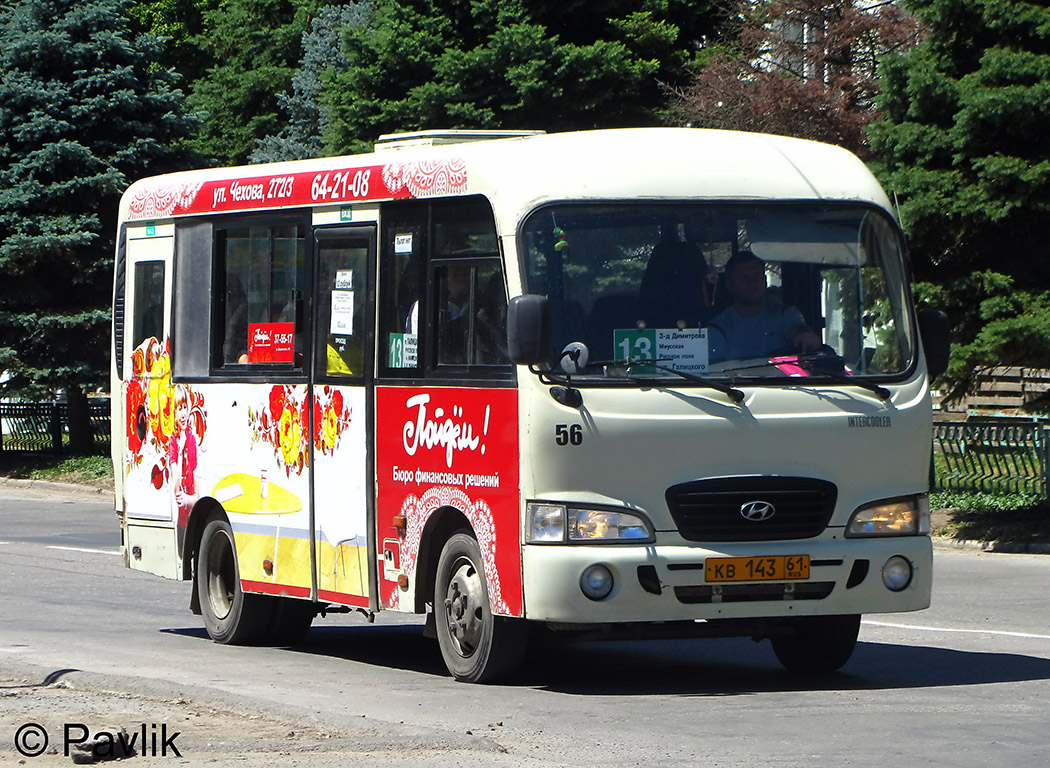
(521, 172)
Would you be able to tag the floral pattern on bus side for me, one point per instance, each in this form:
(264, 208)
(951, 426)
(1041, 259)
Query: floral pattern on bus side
(160, 201)
(164, 422)
(427, 178)
(417, 512)
(283, 423)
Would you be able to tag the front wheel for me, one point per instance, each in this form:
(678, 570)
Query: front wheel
(819, 643)
(230, 616)
(477, 647)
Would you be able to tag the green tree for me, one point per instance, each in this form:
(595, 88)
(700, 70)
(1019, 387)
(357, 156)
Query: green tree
(496, 64)
(253, 47)
(82, 113)
(963, 144)
(178, 24)
(323, 56)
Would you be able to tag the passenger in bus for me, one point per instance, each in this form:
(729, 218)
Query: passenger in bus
(454, 319)
(456, 284)
(755, 325)
(490, 322)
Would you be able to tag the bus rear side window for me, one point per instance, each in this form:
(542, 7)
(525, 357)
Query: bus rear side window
(263, 272)
(148, 320)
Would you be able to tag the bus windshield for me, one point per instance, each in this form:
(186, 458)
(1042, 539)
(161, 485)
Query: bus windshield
(724, 290)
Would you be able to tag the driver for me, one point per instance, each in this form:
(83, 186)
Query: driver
(754, 325)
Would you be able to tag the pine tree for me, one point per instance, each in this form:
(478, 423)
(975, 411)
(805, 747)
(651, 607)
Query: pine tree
(82, 113)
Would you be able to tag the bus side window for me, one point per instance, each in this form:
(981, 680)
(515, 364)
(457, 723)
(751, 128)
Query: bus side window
(471, 299)
(490, 318)
(442, 295)
(262, 270)
(148, 320)
(472, 313)
(402, 288)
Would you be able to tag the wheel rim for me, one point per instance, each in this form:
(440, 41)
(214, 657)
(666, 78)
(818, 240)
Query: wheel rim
(221, 576)
(465, 607)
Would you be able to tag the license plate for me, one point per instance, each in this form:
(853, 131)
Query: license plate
(775, 568)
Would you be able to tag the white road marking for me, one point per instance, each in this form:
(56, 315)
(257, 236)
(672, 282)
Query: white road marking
(1000, 633)
(82, 549)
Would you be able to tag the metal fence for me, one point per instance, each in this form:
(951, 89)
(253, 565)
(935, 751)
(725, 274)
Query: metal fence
(991, 457)
(42, 427)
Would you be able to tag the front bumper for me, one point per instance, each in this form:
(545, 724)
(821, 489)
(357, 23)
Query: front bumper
(655, 582)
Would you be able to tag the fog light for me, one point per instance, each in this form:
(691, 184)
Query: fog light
(596, 582)
(896, 573)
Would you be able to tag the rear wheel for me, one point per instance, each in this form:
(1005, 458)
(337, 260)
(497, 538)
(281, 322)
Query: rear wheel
(818, 644)
(477, 647)
(230, 616)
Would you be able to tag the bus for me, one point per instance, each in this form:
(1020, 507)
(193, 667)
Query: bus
(491, 377)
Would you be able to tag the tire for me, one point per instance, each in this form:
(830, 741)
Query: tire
(477, 647)
(230, 616)
(819, 644)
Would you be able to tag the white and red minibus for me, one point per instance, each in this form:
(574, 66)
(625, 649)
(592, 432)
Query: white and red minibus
(489, 377)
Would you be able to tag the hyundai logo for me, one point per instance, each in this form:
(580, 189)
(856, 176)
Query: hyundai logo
(757, 511)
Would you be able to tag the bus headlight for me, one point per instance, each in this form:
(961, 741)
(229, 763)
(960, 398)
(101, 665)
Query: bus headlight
(545, 523)
(558, 523)
(905, 516)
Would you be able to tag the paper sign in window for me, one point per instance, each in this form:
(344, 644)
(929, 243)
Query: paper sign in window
(344, 279)
(342, 323)
(678, 349)
(271, 342)
(403, 350)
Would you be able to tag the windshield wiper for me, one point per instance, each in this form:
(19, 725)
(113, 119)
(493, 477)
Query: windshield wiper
(812, 364)
(733, 393)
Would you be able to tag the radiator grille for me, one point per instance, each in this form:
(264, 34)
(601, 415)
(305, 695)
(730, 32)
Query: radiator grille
(710, 510)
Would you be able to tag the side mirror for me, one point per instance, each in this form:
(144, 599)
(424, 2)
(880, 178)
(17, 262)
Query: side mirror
(936, 343)
(529, 329)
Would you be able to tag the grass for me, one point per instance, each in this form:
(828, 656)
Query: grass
(1015, 517)
(93, 471)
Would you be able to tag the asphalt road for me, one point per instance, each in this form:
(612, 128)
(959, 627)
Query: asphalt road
(965, 683)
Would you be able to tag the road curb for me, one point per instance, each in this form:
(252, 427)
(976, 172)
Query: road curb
(998, 547)
(51, 485)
